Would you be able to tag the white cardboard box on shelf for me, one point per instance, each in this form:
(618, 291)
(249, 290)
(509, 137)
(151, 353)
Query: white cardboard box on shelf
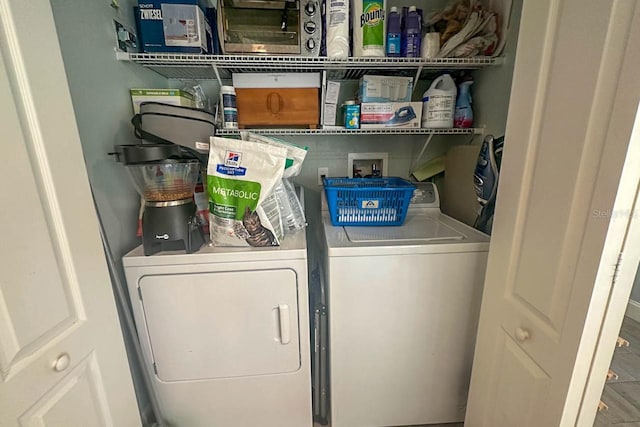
(330, 114)
(165, 96)
(377, 115)
(385, 89)
(276, 80)
(333, 92)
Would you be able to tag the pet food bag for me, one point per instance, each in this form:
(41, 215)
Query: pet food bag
(240, 175)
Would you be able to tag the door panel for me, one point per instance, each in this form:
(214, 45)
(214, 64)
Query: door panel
(518, 372)
(556, 157)
(62, 357)
(224, 324)
(75, 401)
(572, 106)
(48, 293)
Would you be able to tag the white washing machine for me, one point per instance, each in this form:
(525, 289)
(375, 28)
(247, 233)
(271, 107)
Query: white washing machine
(225, 333)
(403, 305)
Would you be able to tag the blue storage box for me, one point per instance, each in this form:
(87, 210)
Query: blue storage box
(173, 26)
(368, 201)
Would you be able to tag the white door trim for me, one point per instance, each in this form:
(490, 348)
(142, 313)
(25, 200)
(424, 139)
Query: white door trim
(616, 300)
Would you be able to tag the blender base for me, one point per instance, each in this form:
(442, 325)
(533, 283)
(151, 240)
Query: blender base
(171, 228)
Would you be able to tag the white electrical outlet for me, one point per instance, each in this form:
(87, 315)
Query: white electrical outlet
(322, 172)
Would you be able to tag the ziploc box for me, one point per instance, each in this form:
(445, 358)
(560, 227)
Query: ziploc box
(385, 89)
(390, 114)
(165, 96)
(173, 26)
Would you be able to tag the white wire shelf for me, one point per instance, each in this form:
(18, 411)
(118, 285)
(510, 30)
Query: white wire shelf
(338, 131)
(200, 67)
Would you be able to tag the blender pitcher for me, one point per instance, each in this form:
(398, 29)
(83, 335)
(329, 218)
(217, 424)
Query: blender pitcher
(169, 221)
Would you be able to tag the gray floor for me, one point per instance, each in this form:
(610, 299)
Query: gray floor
(623, 395)
(430, 425)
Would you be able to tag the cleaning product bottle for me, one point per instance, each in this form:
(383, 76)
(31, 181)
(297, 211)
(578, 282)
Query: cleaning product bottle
(439, 103)
(412, 34)
(463, 117)
(394, 33)
(430, 46)
(368, 27)
(230, 110)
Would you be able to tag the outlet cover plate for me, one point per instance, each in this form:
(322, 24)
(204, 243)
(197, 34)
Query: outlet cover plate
(322, 171)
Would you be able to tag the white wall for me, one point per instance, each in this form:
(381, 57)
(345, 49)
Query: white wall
(635, 292)
(99, 89)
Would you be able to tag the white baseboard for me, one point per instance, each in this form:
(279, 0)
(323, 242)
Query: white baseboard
(633, 310)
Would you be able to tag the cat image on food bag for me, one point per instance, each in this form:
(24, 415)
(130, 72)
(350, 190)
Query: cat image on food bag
(258, 234)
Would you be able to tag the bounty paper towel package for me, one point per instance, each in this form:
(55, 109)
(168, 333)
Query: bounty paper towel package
(369, 27)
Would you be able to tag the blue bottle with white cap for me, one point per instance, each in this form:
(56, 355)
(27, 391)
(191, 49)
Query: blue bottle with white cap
(394, 33)
(412, 34)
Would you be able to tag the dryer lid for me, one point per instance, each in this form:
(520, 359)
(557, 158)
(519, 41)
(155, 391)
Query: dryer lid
(418, 229)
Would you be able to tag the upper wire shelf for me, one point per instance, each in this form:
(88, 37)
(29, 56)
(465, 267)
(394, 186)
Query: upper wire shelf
(341, 131)
(206, 67)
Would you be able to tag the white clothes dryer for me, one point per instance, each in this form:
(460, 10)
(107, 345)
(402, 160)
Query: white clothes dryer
(403, 305)
(225, 333)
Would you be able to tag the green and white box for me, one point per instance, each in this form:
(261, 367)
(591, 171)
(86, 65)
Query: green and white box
(164, 96)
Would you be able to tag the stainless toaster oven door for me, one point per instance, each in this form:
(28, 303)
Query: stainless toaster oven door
(263, 29)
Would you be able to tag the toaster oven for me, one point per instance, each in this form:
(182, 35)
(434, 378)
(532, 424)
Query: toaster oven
(270, 27)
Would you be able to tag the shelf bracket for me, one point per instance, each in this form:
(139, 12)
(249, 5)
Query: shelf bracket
(122, 56)
(417, 77)
(215, 70)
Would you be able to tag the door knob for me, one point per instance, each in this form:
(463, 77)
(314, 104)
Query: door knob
(522, 334)
(62, 362)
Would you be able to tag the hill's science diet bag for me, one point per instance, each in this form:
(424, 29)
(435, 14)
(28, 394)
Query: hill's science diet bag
(240, 175)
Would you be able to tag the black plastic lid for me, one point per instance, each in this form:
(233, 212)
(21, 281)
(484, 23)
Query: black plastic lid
(145, 153)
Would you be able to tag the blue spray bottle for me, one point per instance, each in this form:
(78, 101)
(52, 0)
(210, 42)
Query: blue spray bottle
(412, 34)
(394, 33)
(463, 117)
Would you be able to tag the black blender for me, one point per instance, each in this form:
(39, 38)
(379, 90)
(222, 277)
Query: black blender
(166, 181)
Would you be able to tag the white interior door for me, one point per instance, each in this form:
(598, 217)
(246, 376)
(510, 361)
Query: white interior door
(563, 209)
(62, 358)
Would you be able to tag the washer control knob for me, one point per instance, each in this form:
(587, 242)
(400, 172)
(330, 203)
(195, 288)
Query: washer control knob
(311, 44)
(310, 8)
(310, 27)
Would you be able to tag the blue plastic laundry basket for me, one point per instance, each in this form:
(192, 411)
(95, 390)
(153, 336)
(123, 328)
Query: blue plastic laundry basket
(368, 201)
